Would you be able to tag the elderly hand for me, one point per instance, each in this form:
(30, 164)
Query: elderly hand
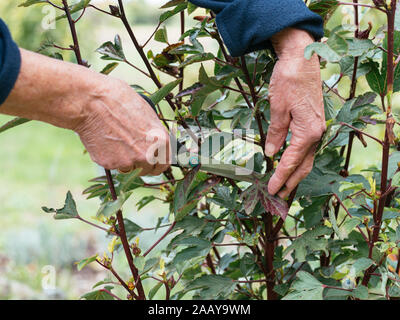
(296, 100)
(121, 131)
(117, 126)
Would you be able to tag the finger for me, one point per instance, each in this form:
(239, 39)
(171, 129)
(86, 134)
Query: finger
(301, 173)
(291, 159)
(278, 129)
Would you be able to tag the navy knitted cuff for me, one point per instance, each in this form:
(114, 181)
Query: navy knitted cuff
(10, 62)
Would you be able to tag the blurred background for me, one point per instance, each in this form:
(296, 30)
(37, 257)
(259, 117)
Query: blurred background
(39, 163)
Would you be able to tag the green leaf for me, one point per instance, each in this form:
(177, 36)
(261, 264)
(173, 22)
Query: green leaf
(358, 47)
(139, 262)
(333, 221)
(338, 44)
(131, 228)
(144, 202)
(75, 8)
(112, 51)
(310, 240)
(322, 50)
(181, 204)
(359, 266)
(396, 180)
(13, 123)
(128, 179)
(196, 248)
(99, 295)
(83, 263)
(197, 58)
(394, 160)
(109, 208)
(164, 91)
(166, 15)
(69, 210)
(360, 292)
(109, 68)
(31, 2)
(211, 287)
(154, 290)
(306, 287)
(161, 35)
(172, 3)
(313, 213)
(376, 80)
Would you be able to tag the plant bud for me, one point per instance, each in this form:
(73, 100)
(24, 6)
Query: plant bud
(131, 285)
(136, 251)
(115, 11)
(365, 34)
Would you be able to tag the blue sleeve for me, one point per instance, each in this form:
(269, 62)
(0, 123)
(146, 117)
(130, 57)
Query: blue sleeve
(247, 25)
(10, 62)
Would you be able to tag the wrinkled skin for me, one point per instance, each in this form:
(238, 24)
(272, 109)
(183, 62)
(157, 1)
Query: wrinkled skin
(116, 125)
(296, 100)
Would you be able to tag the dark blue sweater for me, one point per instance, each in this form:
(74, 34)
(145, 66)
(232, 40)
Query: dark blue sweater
(245, 26)
(10, 62)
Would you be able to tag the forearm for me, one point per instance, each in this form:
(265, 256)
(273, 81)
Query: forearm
(50, 90)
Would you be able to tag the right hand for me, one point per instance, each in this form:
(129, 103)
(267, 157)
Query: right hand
(121, 131)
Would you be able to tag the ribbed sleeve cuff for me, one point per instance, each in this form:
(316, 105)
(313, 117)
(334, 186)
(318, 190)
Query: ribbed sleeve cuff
(10, 62)
(247, 26)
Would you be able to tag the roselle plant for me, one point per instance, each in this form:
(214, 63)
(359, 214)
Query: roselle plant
(337, 235)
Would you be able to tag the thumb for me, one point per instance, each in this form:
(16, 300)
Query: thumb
(278, 129)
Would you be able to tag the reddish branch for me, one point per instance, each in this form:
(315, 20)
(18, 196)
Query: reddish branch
(378, 214)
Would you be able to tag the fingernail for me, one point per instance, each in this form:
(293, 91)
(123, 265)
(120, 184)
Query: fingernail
(269, 149)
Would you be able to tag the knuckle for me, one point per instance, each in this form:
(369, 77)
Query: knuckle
(315, 133)
(275, 129)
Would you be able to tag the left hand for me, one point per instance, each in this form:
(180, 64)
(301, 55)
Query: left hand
(296, 100)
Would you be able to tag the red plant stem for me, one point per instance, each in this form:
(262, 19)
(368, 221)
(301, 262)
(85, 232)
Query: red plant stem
(121, 225)
(116, 275)
(124, 239)
(161, 239)
(269, 250)
(181, 72)
(151, 36)
(74, 34)
(95, 225)
(210, 263)
(353, 87)
(386, 145)
(122, 233)
(361, 132)
(167, 290)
